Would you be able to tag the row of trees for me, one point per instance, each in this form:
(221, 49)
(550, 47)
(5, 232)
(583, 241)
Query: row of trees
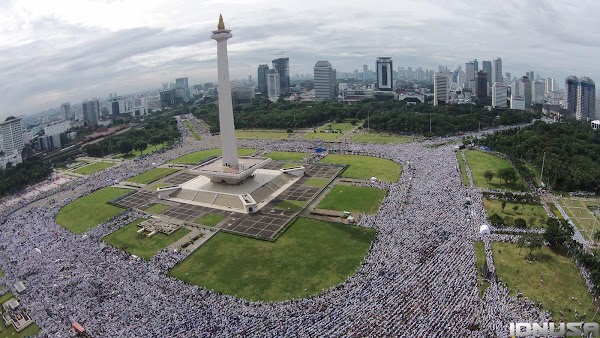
(14, 178)
(507, 174)
(387, 116)
(572, 153)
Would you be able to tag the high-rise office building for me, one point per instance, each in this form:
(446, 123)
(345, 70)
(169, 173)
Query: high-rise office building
(471, 69)
(499, 95)
(12, 141)
(91, 111)
(365, 72)
(385, 82)
(525, 90)
(497, 71)
(486, 66)
(586, 100)
(441, 89)
(65, 111)
(117, 105)
(324, 81)
(282, 67)
(517, 102)
(571, 84)
(182, 89)
(273, 85)
(537, 91)
(550, 85)
(481, 87)
(263, 70)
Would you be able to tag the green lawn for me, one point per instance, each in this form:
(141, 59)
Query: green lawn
(316, 182)
(129, 240)
(10, 332)
(353, 199)
(322, 136)
(157, 208)
(92, 168)
(210, 220)
(480, 162)
(480, 255)
(257, 134)
(583, 218)
(343, 126)
(463, 170)
(199, 156)
(152, 175)
(525, 211)
(291, 205)
(310, 256)
(193, 131)
(149, 150)
(365, 167)
(378, 138)
(286, 156)
(552, 279)
(90, 210)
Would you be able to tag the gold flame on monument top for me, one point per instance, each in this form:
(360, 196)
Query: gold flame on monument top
(221, 24)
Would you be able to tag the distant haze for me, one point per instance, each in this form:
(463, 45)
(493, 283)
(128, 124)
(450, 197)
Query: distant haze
(65, 50)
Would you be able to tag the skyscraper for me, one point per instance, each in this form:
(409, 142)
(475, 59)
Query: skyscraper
(385, 82)
(525, 90)
(586, 100)
(481, 88)
(497, 70)
(273, 83)
(471, 69)
(65, 110)
(486, 66)
(324, 81)
(12, 141)
(282, 67)
(182, 89)
(263, 70)
(550, 85)
(571, 84)
(499, 95)
(365, 72)
(441, 89)
(91, 111)
(537, 92)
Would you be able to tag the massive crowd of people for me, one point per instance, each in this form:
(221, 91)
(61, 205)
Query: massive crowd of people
(418, 279)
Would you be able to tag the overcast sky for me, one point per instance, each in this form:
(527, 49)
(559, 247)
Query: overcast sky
(69, 50)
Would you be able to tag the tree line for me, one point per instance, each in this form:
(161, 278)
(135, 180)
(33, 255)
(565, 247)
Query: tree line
(15, 178)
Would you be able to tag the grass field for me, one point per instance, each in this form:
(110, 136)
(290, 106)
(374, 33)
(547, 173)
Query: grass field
(322, 136)
(580, 212)
(316, 182)
(92, 168)
(286, 156)
(379, 138)
(10, 332)
(463, 170)
(128, 240)
(195, 134)
(310, 256)
(552, 279)
(149, 150)
(210, 220)
(157, 208)
(480, 162)
(152, 175)
(257, 134)
(90, 210)
(202, 155)
(480, 255)
(353, 199)
(290, 205)
(365, 167)
(343, 126)
(528, 212)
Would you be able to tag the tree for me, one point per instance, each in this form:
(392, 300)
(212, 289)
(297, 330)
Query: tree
(520, 223)
(503, 205)
(155, 141)
(597, 235)
(554, 234)
(496, 220)
(515, 208)
(140, 146)
(534, 243)
(125, 146)
(488, 175)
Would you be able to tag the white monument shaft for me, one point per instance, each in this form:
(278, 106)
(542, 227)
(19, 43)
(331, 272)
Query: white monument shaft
(228, 140)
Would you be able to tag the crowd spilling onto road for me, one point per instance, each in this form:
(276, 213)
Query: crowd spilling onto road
(418, 279)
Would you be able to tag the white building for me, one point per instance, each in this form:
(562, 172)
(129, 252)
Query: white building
(12, 141)
(596, 124)
(517, 102)
(537, 91)
(91, 111)
(441, 88)
(550, 85)
(117, 105)
(273, 88)
(385, 81)
(151, 102)
(324, 81)
(497, 71)
(499, 95)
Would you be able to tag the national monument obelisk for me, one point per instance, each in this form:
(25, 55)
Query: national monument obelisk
(228, 140)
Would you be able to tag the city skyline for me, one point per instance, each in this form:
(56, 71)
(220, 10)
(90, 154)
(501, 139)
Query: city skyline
(57, 52)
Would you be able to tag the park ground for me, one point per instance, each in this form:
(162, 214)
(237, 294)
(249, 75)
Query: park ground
(533, 214)
(286, 156)
(365, 167)
(93, 168)
(581, 212)
(210, 219)
(480, 162)
(152, 175)
(353, 199)
(480, 258)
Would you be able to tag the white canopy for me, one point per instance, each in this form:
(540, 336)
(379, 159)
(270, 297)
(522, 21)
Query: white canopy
(484, 229)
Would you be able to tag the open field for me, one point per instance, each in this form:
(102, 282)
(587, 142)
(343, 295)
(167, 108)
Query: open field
(258, 134)
(365, 167)
(580, 211)
(157, 208)
(10, 332)
(343, 126)
(354, 199)
(195, 134)
(480, 255)
(127, 239)
(199, 156)
(286, 156)
(90, 210)
(480, 162)
(552, 279)
(92, 168)
(152, 175)
(528, 212)
(322, 136)
(135, 153)
(381, 138)
(316, 182)
(291, 205)
(310, 256)
(463, 170)
(210, 220)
